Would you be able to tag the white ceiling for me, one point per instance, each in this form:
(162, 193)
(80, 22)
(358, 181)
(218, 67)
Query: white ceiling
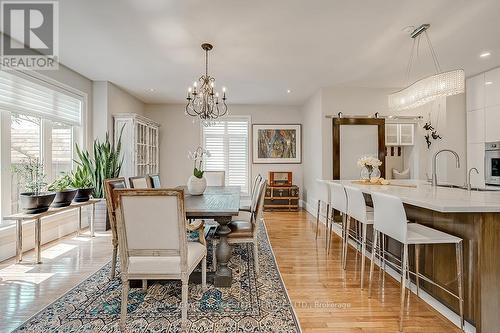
(264, 47)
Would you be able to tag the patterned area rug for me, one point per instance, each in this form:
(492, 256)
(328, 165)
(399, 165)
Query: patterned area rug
(252, 304)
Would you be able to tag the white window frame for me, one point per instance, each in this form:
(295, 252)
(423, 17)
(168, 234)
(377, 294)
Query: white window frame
(248, 119)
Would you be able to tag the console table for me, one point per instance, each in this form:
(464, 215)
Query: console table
(281, 198)
(23, 217)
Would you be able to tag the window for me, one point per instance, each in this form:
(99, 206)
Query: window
(227, 142)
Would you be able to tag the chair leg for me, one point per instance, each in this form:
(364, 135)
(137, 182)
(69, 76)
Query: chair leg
(204, 273)
(317, 218)
(184, 305)
(459, 254)
(363, 227)
(123, 313)
(372, 263)
(417, 271)
(346, 241)
(113, 261)
(403, 285)
(256, 256)
(144, 285)
(214, 257)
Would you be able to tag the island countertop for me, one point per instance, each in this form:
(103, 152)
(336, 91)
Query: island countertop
(441, 199)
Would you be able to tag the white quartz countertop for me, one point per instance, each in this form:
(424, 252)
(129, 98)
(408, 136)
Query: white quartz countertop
(441, 199)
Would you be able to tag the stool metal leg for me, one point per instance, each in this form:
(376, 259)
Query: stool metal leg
(417, 271)
(363, 251)
(344, 221)
(332, 218)
(346, 241)
(459, 254)
(327, 219)
(317, 218)
(403, 285)
(372, 263)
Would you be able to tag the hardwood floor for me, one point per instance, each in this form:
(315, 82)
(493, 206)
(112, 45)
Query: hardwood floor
(326, 298)
(329, 299)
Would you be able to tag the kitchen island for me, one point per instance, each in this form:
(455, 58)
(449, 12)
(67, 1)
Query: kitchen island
(473, 216)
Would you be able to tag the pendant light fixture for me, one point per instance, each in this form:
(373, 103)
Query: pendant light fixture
(203, 101)
(429, 88)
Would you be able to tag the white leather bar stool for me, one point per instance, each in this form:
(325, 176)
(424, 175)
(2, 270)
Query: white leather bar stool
(324, 184)
(357, 209)
(338, 201)
(390, 219)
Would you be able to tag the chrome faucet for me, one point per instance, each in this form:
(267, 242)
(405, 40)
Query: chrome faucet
(434, 172)
(469, 187)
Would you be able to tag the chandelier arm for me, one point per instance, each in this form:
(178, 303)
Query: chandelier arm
(410, 63)
(433, 53)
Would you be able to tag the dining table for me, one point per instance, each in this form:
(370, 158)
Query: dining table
(219, 203)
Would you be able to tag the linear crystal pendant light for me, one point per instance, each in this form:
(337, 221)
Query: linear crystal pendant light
(202, 99)
(429, 88)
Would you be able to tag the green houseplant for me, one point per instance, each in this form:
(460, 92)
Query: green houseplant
(81, 179)
(31, 176)
(64, 191)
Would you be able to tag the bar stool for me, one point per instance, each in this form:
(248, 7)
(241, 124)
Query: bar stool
(357, 209)
(338, 201)
(318, 213)
(390, 219)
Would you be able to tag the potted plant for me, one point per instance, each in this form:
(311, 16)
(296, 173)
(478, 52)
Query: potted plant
(82, 181)
(34, 200)
(197, 184)
(64, 191)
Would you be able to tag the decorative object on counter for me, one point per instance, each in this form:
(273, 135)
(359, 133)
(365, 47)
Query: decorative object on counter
(197, 183)
(405, 174)
(32, 178)
(431, 133)
(65, 193)
(431, 87)
(275, 143)
(280, 178)
(369, 168)
(203, 101)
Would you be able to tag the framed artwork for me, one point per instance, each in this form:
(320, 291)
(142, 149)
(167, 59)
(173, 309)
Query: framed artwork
(277, 143)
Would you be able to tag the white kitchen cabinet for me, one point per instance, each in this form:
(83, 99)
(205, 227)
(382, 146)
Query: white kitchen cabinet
(475, 159)
(492, 123)
(475, 94)
(399, 134)
(475, 126)
(140, 144)
(492, 87)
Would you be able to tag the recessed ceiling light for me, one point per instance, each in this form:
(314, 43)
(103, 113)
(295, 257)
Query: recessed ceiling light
(485, 54)
(288, 91)
(488, 83)
(151, 89)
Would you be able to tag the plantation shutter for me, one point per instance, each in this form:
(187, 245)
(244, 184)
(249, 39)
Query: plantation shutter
(227, 142)
(25, 96)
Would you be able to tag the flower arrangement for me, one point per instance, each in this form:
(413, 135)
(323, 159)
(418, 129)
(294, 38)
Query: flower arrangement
(369, 167)
(197, 157)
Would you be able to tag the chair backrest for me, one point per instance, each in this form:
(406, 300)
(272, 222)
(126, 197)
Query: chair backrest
(154, 181)
(152, 222)
(215, 178)
(109, 186)
(356, 207)
(139, 182)
(259, 201)
(255, 185)
(389, 216)
(338, 197)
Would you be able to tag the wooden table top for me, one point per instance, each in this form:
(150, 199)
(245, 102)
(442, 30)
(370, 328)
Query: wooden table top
(51, 211)
(215, 201)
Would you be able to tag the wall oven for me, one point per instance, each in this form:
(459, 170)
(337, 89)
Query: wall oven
(492, 163)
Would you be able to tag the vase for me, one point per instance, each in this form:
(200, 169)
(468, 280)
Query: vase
(196, 186)
(369, 172)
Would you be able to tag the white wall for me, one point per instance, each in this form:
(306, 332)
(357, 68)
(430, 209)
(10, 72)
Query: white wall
(180, 133)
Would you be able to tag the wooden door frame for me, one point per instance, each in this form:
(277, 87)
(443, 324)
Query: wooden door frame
(337, 122)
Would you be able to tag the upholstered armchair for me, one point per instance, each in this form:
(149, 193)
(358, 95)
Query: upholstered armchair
(151, 227)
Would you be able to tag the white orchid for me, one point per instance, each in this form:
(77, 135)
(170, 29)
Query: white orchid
(197, 157)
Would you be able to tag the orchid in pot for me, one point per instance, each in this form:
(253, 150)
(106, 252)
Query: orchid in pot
(369, 167)
(197, 183)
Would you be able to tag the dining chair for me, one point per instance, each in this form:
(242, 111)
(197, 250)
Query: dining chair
(109, 186)
(390, 220)
(151, 226)
(139, 182)
(246, 206)
(215, 178)
(244, 227)
(154, 180)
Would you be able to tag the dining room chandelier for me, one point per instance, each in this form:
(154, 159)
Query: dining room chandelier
(431, 87)
(202, 99)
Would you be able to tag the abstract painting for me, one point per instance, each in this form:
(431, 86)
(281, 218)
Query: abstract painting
(276, 143)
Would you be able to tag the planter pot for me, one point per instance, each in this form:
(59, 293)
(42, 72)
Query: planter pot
(101, 222)
(83, 194)
(196, 186)
(33, 204)
(64, 198)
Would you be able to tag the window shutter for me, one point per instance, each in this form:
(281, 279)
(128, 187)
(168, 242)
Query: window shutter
(227, 142)
(23, 96)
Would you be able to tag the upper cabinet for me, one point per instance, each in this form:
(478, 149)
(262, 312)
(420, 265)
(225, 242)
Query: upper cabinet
(475, 126)
(492, 87)
(492, 128)
(475, 94)
(399, 134)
